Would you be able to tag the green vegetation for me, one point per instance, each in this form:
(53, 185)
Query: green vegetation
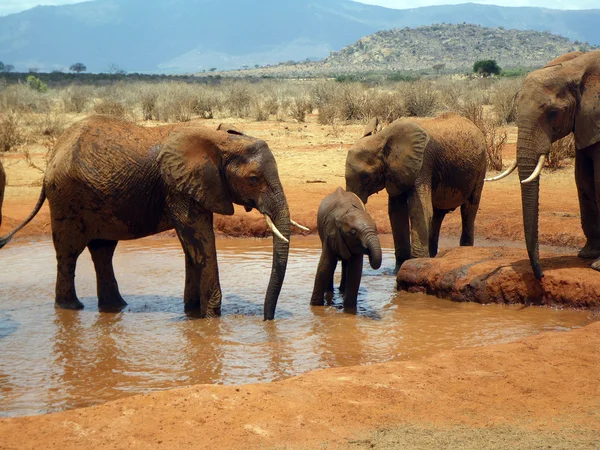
(36, 84)
(486, 67)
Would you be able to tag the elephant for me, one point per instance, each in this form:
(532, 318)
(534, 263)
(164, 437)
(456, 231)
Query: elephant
(347, 232)
(429, 167)
(561, 98)
(2, 187)
(109, 180)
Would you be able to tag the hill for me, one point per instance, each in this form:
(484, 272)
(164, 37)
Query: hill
(453, 46)
(193, 35)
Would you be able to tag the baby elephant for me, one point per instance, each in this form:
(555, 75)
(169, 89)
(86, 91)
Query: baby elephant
(347, 232)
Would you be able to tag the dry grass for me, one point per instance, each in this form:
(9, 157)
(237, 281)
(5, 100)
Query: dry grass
(33, 117)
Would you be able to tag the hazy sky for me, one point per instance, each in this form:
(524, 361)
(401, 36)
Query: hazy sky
(13, 6)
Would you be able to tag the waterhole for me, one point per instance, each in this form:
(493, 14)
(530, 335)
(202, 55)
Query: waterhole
(52, 360)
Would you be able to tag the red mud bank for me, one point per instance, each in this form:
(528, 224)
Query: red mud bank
(503, 275)
(544, 383)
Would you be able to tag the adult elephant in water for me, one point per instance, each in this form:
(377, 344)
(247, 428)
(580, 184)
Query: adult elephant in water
(108, 180)
(2, 186)
(429, 167)
(560, 98)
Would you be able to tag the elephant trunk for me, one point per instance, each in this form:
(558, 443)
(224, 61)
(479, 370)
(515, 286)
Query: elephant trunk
(530, 147)
(373, 246)
(281, 219)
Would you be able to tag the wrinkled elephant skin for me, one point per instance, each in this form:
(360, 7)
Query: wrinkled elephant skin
(109, 180)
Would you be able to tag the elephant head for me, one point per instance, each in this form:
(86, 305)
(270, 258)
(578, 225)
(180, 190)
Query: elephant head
(391, 159)
(218, 168)
(561, 98)
(350, 229)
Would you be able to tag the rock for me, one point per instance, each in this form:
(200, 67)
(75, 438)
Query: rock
(502, 275)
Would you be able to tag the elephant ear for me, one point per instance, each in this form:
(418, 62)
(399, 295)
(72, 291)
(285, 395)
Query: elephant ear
(371, 127)
(403, 151)
(190, 164)
(333, 235)
(587, 117)
(229, 129)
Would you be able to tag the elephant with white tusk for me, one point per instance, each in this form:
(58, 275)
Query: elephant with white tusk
(108, 180)
(561, 98)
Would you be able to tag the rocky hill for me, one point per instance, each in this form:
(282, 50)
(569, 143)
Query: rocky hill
(434, 48)
(451, 47)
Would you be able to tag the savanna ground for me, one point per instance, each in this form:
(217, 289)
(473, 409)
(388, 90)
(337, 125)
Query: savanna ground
(540, 392)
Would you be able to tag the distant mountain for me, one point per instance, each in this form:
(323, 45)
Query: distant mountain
(191, 35)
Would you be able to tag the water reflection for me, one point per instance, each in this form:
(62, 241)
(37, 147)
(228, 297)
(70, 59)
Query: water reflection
(55, 359)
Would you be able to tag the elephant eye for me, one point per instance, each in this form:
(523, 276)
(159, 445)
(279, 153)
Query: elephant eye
(253, 180)
(352, 232)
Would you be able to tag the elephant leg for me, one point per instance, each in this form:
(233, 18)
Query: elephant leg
(434, 233)
(109, 297)
(68, 244)
(588, 203)
(468, 213)
(420, 211)
(398, 212)
(202, 293)
(344, 273)
(355, 266)
(324, 276)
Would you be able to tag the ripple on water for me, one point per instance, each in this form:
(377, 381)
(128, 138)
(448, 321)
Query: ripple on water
(54, 359)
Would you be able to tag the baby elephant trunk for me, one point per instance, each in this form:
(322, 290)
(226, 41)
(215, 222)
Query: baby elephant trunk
(373, 246)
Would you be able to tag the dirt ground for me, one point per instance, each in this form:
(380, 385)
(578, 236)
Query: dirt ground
(539, 392)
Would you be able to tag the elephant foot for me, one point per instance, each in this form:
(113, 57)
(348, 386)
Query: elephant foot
(194, 310)
(590, 251)
(349, 304)
(596, 265)
(74, 304)
(113, 303)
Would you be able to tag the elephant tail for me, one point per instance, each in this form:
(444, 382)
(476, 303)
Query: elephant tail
(6, 239)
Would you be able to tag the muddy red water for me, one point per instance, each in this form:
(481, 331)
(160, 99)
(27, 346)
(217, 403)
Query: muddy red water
(53, 360)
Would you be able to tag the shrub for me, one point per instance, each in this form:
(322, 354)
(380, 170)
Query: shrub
(111, 107)
(11, 135)
(76, 98)
(47, 127)
(486, 67)
(494, 141)
(504, 99)
(36, 84)
(299, 107)
(420, 99)
(561, 150)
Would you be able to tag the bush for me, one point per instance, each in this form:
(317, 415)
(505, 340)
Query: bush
(299, 107)
(420, 99)
(504, 99)
(561, 150)
(11, 135)
(111, 107)
(486, 67)
(76, 98)
(36, 84)
(47, 127)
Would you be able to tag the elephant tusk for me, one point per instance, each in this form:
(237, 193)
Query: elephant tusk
(537, 171)
(506, 173)
(297, 225)
(275, 231)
